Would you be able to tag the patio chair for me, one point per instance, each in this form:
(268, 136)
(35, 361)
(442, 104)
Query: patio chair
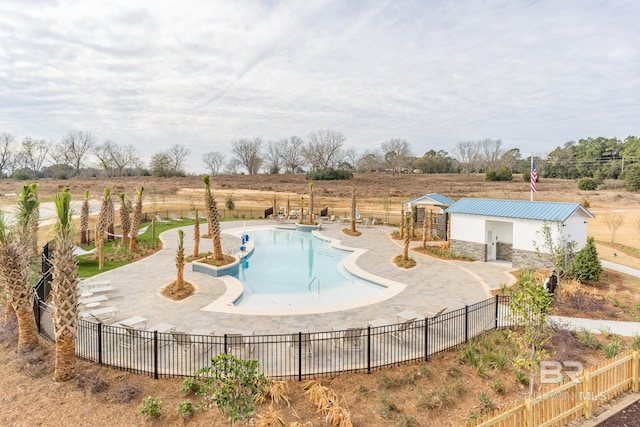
(100, 314)
(236, 344)
(78, 251)
(133, 337)
(181, 341)
(301, 343)
(349, 339)
(158, 218)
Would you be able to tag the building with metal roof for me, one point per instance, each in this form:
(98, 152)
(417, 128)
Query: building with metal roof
(511, 230)
(430, 206)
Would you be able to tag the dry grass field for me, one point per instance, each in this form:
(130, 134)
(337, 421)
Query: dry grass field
(438, 393)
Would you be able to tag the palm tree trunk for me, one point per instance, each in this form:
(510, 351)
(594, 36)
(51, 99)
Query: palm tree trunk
(65, 358)
(28, 338)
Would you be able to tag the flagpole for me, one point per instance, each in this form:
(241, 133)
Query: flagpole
(530, 178)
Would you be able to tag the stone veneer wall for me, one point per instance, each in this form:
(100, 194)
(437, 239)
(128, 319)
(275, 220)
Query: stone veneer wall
(477, 251)
(524, 259)
(441, 228)
(504, 251)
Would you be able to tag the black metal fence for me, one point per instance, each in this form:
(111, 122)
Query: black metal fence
(298, 355)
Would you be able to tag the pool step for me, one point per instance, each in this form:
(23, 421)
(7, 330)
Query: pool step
(330, 251)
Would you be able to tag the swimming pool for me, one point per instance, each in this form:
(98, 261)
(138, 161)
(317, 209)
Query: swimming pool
(290, 268)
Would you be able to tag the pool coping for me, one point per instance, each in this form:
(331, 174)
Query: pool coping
(224, 304)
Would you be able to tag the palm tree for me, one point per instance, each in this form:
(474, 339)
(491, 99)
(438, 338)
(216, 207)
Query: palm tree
(196, 235)
(35, 218)
(84, 219)
(353, 209)
(213, 218)
(101, 226)
(125, 218)
(111, 218)
(15, 248)
(64, 289)
(180, 262)
(407, 239)
(135, 221)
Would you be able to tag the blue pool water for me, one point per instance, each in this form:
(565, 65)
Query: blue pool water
(291, 268)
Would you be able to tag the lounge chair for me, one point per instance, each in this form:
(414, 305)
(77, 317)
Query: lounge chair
(436, 314)
(236, 344)
(175, 218)
(93, 299)
(301, 343)
(133, 337)
(78, 251)
(159, 219)
(141, 231)
(349, 339)
(100, 314)
(182, 341)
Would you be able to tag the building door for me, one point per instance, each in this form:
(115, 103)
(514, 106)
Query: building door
(491, 246)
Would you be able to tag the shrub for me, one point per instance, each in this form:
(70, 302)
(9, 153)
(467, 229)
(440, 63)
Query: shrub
(585, 266)
(150, 407)
(632, 178)
(587, 184)
(498, 386)
(185, 408)
(329, 174)
(191, 385)
(503, 174)
(230, 204)
(612, 348)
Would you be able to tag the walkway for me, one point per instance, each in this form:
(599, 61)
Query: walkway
(431, 285)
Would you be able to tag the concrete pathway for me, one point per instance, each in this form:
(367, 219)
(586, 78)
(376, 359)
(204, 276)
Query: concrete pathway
(431, 285)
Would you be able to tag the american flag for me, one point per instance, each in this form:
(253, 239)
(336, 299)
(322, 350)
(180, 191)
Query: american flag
(534, 176)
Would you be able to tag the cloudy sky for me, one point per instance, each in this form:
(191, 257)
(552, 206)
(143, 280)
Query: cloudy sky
(204, 73)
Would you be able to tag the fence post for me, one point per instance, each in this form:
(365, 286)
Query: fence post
(299, 356)
(497, 312)
(634, 371)
(368, 349)
(100, 343)
(586, 384)
(155, 354)
(466, 323)
(426, 339)
(225, 343)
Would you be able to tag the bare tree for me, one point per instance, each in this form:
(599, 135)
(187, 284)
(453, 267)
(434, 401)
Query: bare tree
(248, 152)
(73, 149)
(291, 150)
(510, 158)
(32, 155)
(232, 166)
(7, 148)
(369, 161)
(351, 158)
(324, 149)
(491, 152)
(178, 154)
(613, 221)
(160, 165)
(273, 158)
(114, 158)
(467, 153)
(397, 154)
(213, 160)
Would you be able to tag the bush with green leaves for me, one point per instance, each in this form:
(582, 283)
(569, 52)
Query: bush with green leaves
(585, 266)
(150, 407)
(185, 408)
(329, 174)
(632, 177)
(231, 385)
(230, 203)
(587, 184)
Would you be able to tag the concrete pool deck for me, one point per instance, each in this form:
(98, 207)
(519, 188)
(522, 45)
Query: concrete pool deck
(431, 285)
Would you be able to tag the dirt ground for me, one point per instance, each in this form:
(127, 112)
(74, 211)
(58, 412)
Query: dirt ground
(100, 396)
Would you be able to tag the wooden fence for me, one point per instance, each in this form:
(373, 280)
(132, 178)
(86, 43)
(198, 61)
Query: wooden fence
(569, 400)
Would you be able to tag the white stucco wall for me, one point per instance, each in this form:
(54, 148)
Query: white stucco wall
(469, 228)
(575, 229)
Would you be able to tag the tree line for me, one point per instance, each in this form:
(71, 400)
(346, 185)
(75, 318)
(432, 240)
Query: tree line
(79, 153)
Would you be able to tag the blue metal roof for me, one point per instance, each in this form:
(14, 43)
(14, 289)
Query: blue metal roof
(522, 209)
(438, 198)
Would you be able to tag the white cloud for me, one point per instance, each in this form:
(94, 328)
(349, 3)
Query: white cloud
(534, 73)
